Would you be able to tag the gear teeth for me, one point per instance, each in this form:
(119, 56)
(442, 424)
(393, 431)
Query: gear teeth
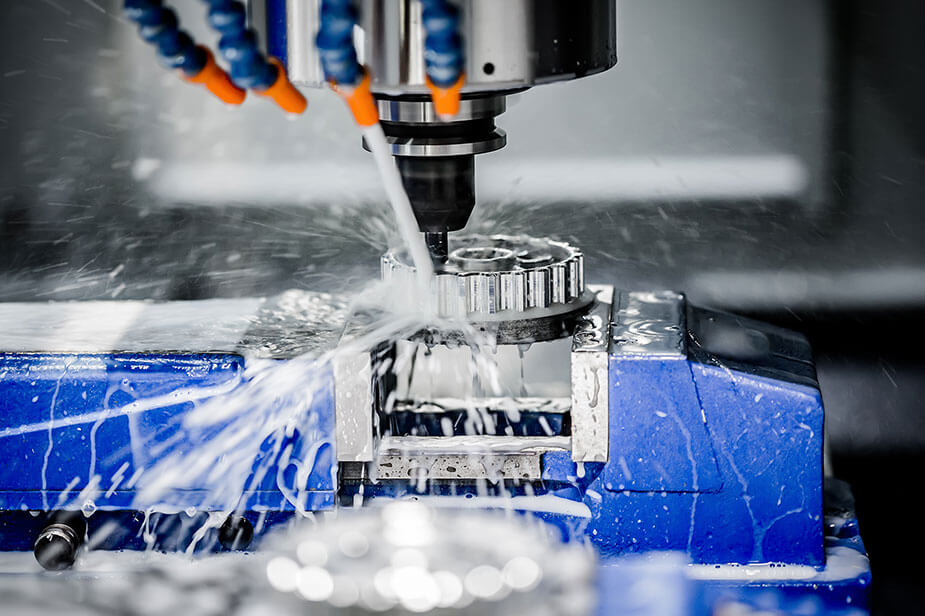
(475, 294)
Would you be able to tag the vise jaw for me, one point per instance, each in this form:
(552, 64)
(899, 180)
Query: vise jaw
(680, 429)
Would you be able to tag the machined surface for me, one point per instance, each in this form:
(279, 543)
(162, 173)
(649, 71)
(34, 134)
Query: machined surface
(508, 405)
(280, 327)
(353, 406)
(501, 277)
(535, 325)
(354, 400)
(650, 323)
(471, 445)
(450, 467)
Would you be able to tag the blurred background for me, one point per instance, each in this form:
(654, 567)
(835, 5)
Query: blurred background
(764, 157)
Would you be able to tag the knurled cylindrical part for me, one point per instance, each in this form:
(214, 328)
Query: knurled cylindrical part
(548, 274)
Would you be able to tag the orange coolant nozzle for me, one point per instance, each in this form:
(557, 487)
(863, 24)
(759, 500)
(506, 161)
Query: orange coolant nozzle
(360, 100)
(283, 93)
(217, 81)
(446, 100)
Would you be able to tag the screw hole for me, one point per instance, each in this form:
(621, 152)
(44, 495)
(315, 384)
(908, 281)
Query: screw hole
(236, 533)
(488, 68)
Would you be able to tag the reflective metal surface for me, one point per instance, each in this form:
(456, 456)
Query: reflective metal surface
(508, 45)
(590, 392)
(302, 53)
(650, 323)
(354, 397)
(502, 277)
(471, 445)
(428, 146)
(417, 111)
(468, 466)
(288, 325)
(353, 407)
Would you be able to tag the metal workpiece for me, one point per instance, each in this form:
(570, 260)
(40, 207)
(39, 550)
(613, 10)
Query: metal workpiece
(650, 323)
(354, 396)
(499, 404)
(500, 277)
(590, 397)
(291, 324)
(457, 467)
(477, 444)
(295, 323)
(353, 406)
(507, 45)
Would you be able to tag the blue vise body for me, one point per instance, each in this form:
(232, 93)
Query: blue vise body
(715, 438)
(96, 396)
(691, 430)
(82, 430)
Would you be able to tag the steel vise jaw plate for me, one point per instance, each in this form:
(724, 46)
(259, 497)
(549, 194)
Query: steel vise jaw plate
(620, 323)
(651, 323)
(590, 385)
